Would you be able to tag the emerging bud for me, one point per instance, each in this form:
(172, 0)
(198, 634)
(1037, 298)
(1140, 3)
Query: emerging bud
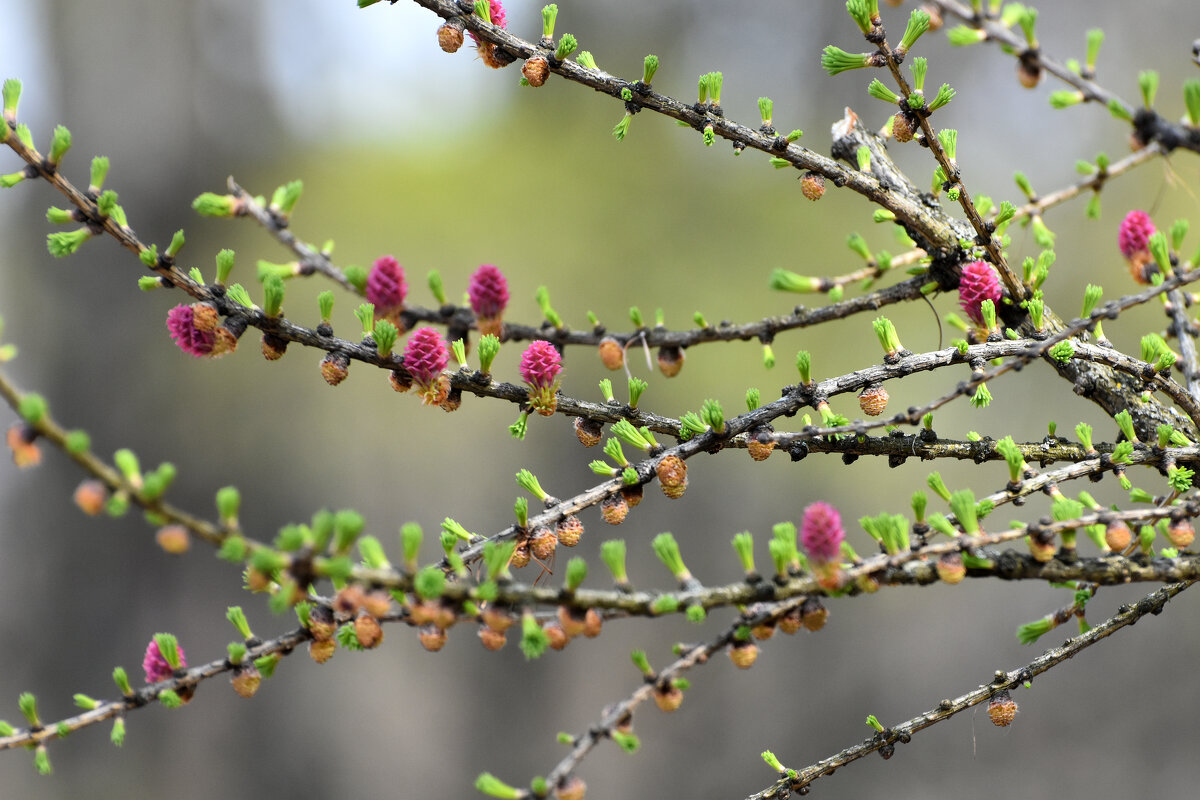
(540, 367)
(488, 292)
(979, 282)
(812, 185)
(592, 623)
(633, 494)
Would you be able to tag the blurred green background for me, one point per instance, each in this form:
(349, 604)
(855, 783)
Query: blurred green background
(446, 164)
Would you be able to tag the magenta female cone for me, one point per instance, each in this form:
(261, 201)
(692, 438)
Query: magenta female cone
(979, 282)
(488, 292)
(425, 357)
(386, 288)
(540, 367)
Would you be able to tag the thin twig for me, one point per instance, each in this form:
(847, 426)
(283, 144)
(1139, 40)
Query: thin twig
(1127, 615)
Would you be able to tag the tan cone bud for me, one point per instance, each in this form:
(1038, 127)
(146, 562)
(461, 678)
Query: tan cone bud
(557, 636)
(950, 568)
(432, 638)
(812, 185)
(873, 401)
(791, 622)
(612, 354)
(334, 368)
(572, 621)
(492, 639)
(246, 680)
(1181, 534)
(1117, 536)
(670, 360)
(592, 623)
(763, 632)
(542, 544)
(497, 620)
(573, 789)
(589, 432)
(368, 631)
(173, 539)
(90, 496)
(743, 654)
(450, 37)
(614, 509)
(1002, 709)
(536, 70)
(813, 614)
(668, 699)
(322, 651)
(569, 530)
(672, 476)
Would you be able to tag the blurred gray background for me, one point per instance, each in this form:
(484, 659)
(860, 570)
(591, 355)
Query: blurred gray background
(433, 158)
